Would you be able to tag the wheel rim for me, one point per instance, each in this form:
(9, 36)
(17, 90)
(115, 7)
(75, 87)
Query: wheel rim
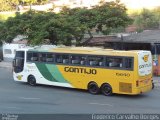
(93, 88)
(32, 81)
(106, 90)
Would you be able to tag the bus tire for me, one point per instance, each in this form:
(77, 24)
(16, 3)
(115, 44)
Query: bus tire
(93, 88)
(31, 80)
(106, 89)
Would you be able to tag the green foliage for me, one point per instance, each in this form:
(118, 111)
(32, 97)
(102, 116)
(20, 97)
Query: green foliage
(8, 5)
(68, 25)
(105, 17)
(111, 15)
(148, 19)
(37, 2)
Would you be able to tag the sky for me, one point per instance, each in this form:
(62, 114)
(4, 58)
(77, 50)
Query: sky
(136, 4)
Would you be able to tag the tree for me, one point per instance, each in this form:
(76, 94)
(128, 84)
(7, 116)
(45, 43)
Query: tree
(156, 12)
(111, 15)
(147, 19)
(34, 1)
(85, 19)
(68, 25)
(2, 29)
(104, 17)
(7, 5)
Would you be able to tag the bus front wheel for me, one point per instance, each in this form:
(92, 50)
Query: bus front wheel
(93, 88)
(106, 89)
(31, 80)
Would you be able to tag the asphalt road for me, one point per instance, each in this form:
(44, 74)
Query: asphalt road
(21, 98)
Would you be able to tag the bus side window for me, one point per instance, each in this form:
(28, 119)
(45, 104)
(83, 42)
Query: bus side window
(58, 58)
(29, 56)
(75, 59)
(114, 62)
(128, 63)
(107, 62)
(34, 57)
(83, 60)
(95, 60)
(62, 59)
(101, 64)
(42, 57)
(65, 59)
(50, 58)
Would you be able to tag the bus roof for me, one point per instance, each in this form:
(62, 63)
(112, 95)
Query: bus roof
(89, 50)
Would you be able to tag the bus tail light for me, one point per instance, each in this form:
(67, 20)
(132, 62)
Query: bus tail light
(137, 83)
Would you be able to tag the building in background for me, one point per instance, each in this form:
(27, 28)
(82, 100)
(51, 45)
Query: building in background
(146, 40)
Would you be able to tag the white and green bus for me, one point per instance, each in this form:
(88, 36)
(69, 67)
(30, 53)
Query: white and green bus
(92, 69)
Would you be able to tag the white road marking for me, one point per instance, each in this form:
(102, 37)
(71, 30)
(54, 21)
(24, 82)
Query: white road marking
(101, 104)
(12, 107)
(29, 98)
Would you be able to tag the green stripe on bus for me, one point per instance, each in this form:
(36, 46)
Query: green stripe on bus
(53, 69)
(51, 72)
(45, 72)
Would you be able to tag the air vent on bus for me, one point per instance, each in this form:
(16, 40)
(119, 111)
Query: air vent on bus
(125, 87)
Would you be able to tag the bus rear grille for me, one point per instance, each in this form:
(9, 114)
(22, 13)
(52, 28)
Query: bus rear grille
(125, 87)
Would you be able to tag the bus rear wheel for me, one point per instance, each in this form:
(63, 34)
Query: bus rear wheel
(93, 88)
(106, 89)
(31, 80)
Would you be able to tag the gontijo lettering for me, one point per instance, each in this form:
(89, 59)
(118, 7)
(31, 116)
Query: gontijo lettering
(80, 70)
(145, 66)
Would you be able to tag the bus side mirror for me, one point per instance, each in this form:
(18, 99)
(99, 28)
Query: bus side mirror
(14, 63)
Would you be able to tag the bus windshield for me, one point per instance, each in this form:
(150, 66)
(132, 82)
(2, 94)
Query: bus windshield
(18, 62)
